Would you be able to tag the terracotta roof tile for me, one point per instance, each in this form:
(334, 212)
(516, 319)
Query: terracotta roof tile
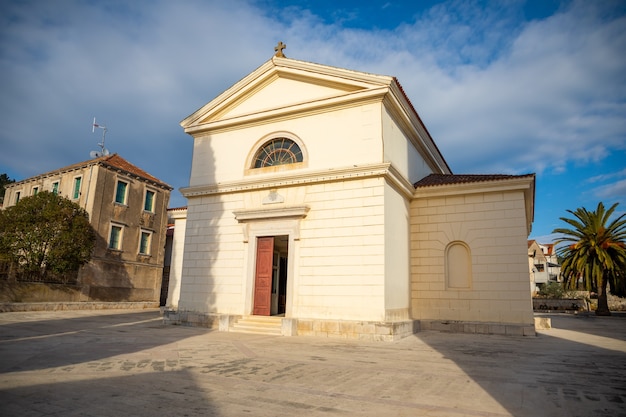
(116, 161)
(406, 97)
(433, 180)
(113, 161)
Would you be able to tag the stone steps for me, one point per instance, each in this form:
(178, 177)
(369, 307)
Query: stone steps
(268, 325)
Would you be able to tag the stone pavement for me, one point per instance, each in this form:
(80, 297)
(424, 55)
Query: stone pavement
(127, 363)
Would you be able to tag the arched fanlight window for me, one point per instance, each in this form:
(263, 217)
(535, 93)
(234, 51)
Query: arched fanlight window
(279, 151)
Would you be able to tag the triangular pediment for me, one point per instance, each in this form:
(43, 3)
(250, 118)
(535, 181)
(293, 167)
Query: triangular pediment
(285, 85)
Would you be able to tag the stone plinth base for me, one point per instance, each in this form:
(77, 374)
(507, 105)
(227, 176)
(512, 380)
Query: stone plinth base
(509, 329)
(361, 330)
(192, 318)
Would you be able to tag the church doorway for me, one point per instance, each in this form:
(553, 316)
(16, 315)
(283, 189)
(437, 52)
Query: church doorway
(270, 279)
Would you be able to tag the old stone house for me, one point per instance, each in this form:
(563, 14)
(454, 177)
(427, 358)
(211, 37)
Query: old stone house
(128, 209)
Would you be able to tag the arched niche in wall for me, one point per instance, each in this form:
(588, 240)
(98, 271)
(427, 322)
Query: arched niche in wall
(458, 264)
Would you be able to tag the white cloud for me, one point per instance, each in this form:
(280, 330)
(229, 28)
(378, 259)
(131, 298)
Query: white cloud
(497, 94)
(613, 191)
(605, 177)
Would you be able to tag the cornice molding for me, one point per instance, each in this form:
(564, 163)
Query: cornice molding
(500, 185)
(262, 182)
(324, 105)
(350, 76)
(293, 212)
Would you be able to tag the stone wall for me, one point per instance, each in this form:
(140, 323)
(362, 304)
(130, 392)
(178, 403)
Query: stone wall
(493, 228)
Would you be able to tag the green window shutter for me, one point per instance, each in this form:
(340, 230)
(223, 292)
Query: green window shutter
(114, 240)
(144, 244)
(120, 192)
(76, 187)
(149, 204)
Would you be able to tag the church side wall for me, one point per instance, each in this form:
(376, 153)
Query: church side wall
(492, 227)
(400, 151)
(213, 259)
(176, 267)
(397, 271)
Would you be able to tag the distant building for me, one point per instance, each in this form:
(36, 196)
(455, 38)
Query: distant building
(128, 209)
(543, 265)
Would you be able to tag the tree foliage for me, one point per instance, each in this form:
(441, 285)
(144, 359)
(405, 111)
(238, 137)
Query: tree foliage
(46, 233)
(4, 180)
(595, 252)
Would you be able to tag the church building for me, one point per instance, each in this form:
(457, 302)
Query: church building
(319, 204)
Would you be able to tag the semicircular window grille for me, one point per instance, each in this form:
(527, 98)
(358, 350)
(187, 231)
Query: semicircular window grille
(279, 151)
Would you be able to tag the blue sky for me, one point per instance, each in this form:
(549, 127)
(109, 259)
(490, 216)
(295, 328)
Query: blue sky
(503, 86)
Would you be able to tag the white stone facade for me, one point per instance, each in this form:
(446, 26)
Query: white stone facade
(355, 252)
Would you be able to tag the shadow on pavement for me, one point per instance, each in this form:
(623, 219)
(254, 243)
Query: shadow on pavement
(39, 344)
(67, 367)
(577, 368)
(164, 393)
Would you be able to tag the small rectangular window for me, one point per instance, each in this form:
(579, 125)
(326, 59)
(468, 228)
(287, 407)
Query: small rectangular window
(144, 243)
(35, 190)
(55, 188)
(76, 192)
(149, 201)
(115, 239)
(17, 197)
(120, 192)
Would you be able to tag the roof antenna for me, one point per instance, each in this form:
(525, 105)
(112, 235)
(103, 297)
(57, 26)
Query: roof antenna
(103, 151)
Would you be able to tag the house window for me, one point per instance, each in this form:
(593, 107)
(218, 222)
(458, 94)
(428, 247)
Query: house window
(35, 190)
(17, 197)
(55, 188)
(76, 192)
(115, 238)
(148, 204)
(144, 242)
(540, 267)
(120, 192)
(279, 151)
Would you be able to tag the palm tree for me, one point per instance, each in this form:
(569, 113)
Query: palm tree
(595, 252)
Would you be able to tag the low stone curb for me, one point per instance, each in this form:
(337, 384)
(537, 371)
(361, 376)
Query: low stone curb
(59, 306)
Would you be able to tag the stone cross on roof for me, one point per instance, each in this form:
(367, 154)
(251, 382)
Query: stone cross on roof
(279, 50)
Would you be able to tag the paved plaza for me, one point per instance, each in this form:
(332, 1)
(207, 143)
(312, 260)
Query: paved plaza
(127, 363)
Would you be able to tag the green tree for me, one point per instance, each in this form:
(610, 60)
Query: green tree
(46, 233)
(4, 180)
(595, 252)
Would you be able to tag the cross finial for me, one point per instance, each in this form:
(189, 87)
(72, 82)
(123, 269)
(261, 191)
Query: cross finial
(279, 50)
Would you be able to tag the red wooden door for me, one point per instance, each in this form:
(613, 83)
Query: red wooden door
(263, 276)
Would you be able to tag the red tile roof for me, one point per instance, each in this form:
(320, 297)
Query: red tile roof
(113, 161)
(116, 161)
(433, 180)
(406, 97)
